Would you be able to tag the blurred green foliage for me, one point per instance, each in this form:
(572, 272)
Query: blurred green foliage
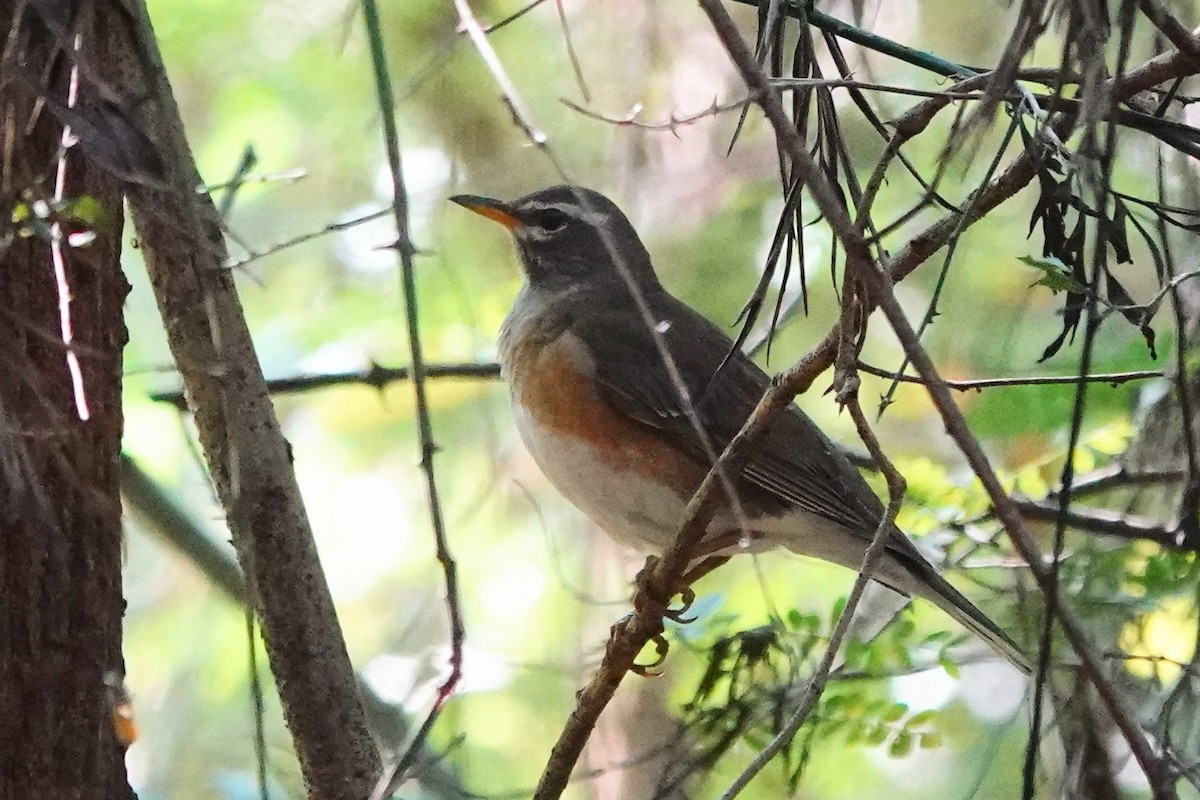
(292, 81)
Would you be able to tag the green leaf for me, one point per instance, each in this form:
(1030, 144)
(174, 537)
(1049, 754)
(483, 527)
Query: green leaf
(875, 735)
(921, 718)
(948, 664)
(901, 745)
(835, 703)
(857, 654)
(1056, 276)
(85, 209)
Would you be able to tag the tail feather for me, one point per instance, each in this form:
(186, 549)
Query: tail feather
(937, 590)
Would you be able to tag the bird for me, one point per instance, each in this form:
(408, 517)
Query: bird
(627, 437)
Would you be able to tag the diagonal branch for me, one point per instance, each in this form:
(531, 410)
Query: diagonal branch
(631, 634)
(247, 456)
(879, 284)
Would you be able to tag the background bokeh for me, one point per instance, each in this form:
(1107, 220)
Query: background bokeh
(293, 81)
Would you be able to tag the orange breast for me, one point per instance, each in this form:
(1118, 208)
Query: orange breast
(554, 386)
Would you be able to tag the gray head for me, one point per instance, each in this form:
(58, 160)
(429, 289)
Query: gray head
(568, 237)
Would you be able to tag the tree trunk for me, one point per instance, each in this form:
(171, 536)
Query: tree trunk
(60, 512)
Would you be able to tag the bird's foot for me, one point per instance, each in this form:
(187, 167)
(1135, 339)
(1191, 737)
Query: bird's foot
(651, 597)
(651, 670)
(676, 615)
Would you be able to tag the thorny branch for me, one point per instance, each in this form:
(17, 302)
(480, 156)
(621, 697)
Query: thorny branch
(395, 772)
(377, 377)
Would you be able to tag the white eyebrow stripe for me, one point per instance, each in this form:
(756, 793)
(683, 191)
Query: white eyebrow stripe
(573, 211)
(587, 214)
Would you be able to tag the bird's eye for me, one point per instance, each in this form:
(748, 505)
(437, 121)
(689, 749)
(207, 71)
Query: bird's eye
(551, 220)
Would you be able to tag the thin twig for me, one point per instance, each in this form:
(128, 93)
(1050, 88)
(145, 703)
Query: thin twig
(284, 176)
(572, 56)
(1116, 476)
(847, 392)
(394, 774)
(374, 376)
(880, 285)
(332, 227)
(512, 98)
(979, 384)
(1101, 520)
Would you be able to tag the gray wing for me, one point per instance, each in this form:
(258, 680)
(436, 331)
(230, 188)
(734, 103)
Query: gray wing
(795, 465)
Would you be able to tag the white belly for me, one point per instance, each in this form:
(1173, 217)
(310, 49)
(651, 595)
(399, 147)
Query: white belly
(637, 513)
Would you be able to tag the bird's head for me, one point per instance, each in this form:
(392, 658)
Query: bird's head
(569, 237)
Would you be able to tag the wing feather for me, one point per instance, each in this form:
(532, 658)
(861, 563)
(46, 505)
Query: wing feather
(796, 465)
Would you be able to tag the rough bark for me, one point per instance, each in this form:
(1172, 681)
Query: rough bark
(181, 237)
(60, 534)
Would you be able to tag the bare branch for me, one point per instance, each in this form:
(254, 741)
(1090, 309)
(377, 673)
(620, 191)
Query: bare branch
(249, 460)
(333, 227)
(395, 773)
(374, 376)
(979, 384)
(1111, 523)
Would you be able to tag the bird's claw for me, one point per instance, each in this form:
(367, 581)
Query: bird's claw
(661, 646)
(677, 614)
(647, 596)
